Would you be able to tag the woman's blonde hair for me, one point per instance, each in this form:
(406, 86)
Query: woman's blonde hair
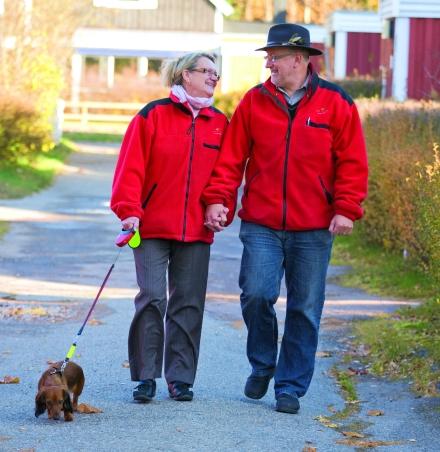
(171, 70)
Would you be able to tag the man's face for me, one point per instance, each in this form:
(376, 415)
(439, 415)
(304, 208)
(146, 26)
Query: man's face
(280, 61)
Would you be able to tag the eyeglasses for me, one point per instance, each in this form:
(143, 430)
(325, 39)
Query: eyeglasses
(275, 58)
(204, 70)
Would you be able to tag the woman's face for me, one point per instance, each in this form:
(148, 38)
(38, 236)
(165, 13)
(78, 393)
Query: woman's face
(202, 80)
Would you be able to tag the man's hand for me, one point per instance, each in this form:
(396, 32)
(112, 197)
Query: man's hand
(130, 222)
(215, 217)
(341, 225)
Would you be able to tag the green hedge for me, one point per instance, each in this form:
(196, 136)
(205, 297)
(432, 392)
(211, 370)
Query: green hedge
(23, 132)
(403, 205)
(361, 87)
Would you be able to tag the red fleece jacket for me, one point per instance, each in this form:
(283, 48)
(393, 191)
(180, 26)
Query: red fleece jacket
(165, 161)
(298, 173)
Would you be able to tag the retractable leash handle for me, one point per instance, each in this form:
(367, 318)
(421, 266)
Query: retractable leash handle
(128, 236)
(133, 239)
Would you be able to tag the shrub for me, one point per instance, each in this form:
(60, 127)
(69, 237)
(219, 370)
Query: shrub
(228, 102)
(23, 131)
(403, 203)
(361, 87)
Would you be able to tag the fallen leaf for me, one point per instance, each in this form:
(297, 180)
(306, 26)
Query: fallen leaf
(126, 364)
(4, 438)
(87, 409)
(326, 422)
(26, 450)
(354, 371)
(95, 322)
(370, 444)
(353, 434)
(375, 413)
(8, 380)
(324, 354)
(309, 449)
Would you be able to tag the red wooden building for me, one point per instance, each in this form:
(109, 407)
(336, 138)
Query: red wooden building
(353, 46)
(410, 48)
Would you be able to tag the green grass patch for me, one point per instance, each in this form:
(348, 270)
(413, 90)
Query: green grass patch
(403, 345)
(93, 137)
(29, 176)
(379, 271)
(406, 345)
(4, 227)
(346, 384)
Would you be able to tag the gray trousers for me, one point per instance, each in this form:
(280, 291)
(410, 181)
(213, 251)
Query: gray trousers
(187, 265)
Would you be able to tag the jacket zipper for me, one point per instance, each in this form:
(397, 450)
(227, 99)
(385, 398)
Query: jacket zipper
(144, 204)
(191, 131)
(286, 161)
(327, 194)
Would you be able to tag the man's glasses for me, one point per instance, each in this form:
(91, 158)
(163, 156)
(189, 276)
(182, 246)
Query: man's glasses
(204, 70)
(275, 58)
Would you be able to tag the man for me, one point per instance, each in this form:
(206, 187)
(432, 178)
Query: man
(298, 138)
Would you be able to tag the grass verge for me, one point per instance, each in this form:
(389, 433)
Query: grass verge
(403, 345)
(94, 137)
(29, 176)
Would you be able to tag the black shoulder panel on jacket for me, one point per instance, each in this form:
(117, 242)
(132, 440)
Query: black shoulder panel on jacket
(333, 87)
(216, 110)
(144, 112)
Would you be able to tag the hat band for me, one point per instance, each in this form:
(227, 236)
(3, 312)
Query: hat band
(277, 43)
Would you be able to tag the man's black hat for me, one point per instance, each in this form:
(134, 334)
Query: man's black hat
(291, 36)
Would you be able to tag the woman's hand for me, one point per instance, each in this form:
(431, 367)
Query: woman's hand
(215, 217)
(130, 222)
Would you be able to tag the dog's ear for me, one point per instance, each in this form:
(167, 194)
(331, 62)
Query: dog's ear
(40, 403)
(67, 406)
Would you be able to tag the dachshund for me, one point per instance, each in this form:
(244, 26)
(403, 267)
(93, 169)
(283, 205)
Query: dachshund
(54, 388)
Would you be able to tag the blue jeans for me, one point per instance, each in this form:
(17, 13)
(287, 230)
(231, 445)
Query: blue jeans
(304, 257)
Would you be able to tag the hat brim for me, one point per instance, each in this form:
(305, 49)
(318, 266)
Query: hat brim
(311, 50)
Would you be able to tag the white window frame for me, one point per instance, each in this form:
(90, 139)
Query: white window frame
(126, 4)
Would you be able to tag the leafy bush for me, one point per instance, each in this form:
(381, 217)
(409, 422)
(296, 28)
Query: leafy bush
(361, 87)
(404, 191)
(228, 102)
(23, 132)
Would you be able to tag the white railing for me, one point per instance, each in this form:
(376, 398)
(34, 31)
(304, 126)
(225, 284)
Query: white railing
(85, 115)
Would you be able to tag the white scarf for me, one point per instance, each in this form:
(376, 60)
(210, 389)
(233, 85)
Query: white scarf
(196, 103)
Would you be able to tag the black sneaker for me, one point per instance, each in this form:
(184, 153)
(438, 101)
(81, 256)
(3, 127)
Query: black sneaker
(256, 387)
(144, 392)
(180, 391)
(287, 403)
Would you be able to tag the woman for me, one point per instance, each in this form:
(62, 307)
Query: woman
(166, 158)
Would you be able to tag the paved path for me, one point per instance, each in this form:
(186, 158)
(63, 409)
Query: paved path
(52, 262)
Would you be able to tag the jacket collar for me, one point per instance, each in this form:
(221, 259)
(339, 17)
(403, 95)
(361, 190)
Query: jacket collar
(207, 111)
(312, 84)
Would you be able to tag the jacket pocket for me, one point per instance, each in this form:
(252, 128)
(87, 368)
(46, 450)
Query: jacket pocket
(150, 193)
(318, 125)
(248, 184)
(212, 146)
(327, 194)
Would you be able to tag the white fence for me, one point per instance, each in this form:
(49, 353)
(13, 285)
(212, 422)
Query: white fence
(98, 116)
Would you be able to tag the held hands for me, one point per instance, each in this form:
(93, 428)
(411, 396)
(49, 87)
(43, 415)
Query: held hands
(130, 222)
(215, 217)
(341, 225)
